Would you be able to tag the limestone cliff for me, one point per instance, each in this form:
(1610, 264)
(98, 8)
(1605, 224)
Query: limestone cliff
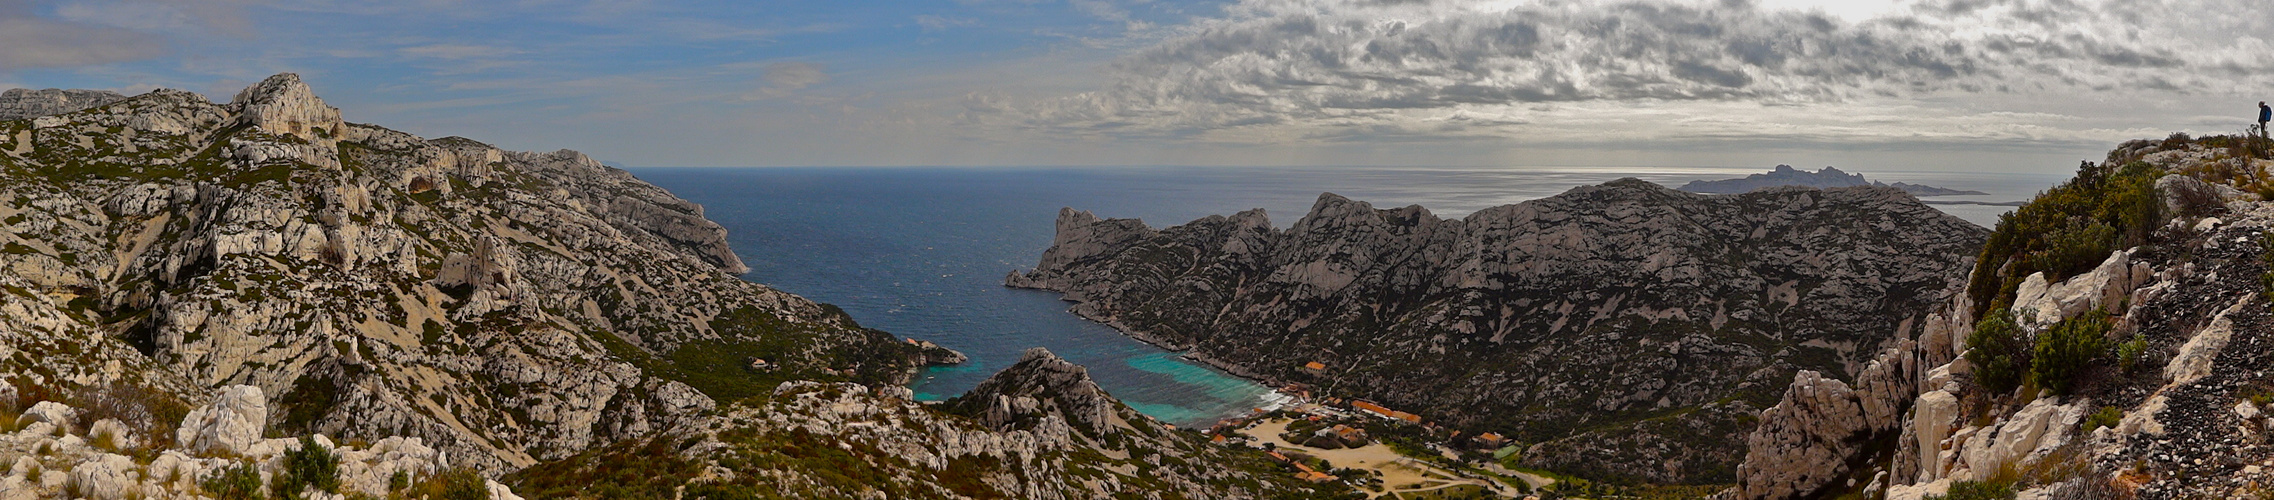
(504, 307)
(2166, 399)
(1040, 429)
(1629, 329)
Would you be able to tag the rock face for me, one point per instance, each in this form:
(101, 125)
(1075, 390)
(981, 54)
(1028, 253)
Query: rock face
(503, 307)
(18, 104)
(2180, 423)
(1622, 306)
(1040, 429)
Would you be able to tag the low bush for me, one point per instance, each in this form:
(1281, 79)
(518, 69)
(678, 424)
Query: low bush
(2068, 349)
(311, 466)
(1970, 490)
(1999, 353)
(241, 481)
(2068, 229)
(2128, 353)
(455, 484)
(2108, 416)
(146, 411)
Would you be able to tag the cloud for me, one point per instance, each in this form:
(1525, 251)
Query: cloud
(219, 17)
(457, 51)
(1353, 64)
(932, 23)
(29, 41)
(785, 78)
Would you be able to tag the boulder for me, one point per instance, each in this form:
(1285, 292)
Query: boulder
(2038, 428)
(53, 413)
(2038, 304)
(121, 437)
(103, 477)
(500, 491)
(232, 423)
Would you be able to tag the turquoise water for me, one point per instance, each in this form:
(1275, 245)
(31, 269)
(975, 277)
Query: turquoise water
(921, 252)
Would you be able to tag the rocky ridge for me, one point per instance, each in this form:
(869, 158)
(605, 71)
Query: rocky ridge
(504, 307)
(1628, 329)
(18, 104)
(2185, 418)
(1828, 177)
(1040, 429)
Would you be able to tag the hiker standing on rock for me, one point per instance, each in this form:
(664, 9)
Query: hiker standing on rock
(2264, 114)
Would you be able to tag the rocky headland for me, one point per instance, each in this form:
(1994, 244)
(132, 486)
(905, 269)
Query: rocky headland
(2112, 345)
(1828, 177)
(1625, 331)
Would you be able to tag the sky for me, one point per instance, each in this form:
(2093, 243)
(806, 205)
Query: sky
(1931, 85)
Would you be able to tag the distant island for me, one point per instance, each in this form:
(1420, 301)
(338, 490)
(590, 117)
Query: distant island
(1829, 177)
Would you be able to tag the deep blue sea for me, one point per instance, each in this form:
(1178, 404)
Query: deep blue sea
(921, 252)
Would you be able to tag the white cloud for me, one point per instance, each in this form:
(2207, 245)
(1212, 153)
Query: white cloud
(27, 42)
(932, 23)
(1349, 69)
(786, 78)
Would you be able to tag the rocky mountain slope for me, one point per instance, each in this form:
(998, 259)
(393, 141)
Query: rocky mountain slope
(258, 298)
(1040, 429)
(2113, 345)
(506, 307)
(1630, 330)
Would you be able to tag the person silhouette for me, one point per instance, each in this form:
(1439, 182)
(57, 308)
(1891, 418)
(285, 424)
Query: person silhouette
(2264, 114)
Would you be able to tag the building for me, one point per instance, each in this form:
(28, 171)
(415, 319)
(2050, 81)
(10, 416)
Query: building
(1385, 412)
(1491, 440)
(1315, 367)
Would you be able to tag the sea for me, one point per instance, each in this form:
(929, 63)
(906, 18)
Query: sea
(921, 252)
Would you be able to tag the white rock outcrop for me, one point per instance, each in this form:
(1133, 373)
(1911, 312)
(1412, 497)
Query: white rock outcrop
(232, 423)
(2038, 304)
(104, 477)
(50, 412)
(1931, 416)
(2193, 361)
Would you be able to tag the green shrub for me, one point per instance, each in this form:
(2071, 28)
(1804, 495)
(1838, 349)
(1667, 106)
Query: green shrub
(1999, 353)
(1970, 490)
(2067, 349)
(311, 466)
(236, 482)
(399, 481)
(2108, 416)
(2068, 229)
(2128, 352)
(455, 484)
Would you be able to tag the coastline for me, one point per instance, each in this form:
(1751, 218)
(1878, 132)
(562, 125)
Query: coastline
(1274, 399)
